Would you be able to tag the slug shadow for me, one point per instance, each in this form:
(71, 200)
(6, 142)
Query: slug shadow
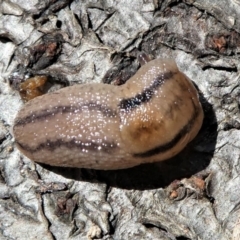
(193, 159)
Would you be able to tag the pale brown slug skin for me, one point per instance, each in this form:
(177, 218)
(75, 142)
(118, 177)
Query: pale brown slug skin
(150, 118)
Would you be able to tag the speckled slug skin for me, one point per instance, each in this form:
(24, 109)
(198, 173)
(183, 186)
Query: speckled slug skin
(150, 118)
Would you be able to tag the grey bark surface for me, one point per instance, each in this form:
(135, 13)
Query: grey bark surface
(195, 195)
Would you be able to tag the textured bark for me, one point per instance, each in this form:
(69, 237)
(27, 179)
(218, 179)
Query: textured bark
(193, 196)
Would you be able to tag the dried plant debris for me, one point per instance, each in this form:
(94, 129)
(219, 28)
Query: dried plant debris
(193, 196)
(32, 87)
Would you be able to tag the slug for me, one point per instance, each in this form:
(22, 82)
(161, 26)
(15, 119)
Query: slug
(150, 118)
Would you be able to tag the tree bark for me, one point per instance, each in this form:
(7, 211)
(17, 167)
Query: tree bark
(196, 194)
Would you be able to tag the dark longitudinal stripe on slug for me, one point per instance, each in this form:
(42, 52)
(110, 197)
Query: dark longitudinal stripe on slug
(165, 147)
(43, 114)
(108, 147)
(147, 94)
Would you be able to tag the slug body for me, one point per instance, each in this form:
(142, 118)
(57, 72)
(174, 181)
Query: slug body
(150, 118)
